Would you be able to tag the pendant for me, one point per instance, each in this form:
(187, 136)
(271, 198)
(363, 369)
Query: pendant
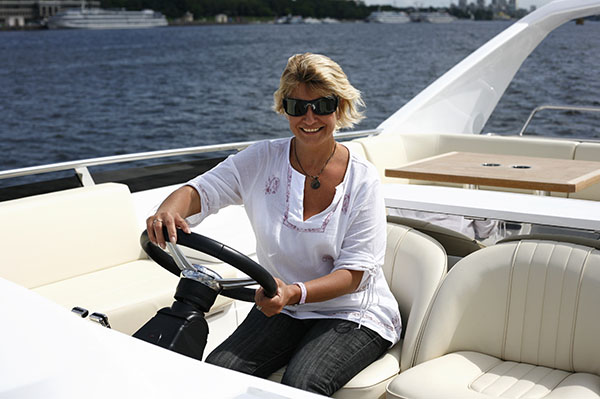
(315, 183)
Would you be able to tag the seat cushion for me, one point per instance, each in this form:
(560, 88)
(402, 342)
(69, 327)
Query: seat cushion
(56, 236)
(476, 375)
(129, 294)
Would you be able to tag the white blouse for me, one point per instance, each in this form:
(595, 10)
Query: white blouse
(349, 234)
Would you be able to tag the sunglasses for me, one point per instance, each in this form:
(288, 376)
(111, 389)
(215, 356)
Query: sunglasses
(320, 106)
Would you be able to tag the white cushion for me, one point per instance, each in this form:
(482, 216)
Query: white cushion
(60, 235)
(533, 303)
(476, 375)
(129, 294)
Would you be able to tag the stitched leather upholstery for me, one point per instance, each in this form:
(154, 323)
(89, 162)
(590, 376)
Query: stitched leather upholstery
(518, 319)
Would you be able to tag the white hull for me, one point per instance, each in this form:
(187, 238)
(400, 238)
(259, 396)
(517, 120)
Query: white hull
(388, 17)
(106, 19)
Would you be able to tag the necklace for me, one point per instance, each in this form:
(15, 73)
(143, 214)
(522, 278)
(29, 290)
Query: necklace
(315, 183)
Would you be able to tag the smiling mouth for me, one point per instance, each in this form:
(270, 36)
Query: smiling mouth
(311, 130)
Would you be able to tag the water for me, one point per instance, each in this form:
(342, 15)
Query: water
(70, 95)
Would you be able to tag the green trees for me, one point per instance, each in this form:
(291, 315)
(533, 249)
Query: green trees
(341, 9)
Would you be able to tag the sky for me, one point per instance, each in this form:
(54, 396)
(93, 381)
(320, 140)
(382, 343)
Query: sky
(446, 3)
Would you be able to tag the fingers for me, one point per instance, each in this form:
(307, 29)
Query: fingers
(155, 225)
(270, 306)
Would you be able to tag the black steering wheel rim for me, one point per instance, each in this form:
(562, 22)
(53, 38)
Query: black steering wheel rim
(220, 251)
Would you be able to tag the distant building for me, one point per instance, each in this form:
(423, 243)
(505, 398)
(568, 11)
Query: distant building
(20, 12)
(221, 19)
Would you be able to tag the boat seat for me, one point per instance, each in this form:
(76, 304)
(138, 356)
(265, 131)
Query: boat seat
(80, 247)
(414, 266)
(514, 320)
(456, 244)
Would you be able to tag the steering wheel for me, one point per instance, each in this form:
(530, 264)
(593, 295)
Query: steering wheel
(232, 288)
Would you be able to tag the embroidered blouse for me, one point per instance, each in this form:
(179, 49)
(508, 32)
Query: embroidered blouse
(349, 234)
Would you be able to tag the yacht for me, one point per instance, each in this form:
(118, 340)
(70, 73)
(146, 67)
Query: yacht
(388, 17)
(436, 17)
(96, 18)
(513, 315)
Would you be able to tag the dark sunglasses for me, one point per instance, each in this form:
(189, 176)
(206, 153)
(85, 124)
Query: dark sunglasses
(320, 106)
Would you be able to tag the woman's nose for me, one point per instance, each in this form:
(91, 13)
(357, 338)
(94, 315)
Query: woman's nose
(309, 116)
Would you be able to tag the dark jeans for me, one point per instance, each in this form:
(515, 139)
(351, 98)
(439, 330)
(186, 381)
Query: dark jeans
(322, 354)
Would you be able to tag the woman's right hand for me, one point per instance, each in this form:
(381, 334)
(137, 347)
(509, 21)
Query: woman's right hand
(171, 220)
(171, 214)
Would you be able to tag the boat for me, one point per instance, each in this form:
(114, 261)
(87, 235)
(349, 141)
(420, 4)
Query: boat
(388, 17)
(514, 315)
(97, 18)
(434, 17)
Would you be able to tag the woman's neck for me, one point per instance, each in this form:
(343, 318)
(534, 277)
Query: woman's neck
(312, 158)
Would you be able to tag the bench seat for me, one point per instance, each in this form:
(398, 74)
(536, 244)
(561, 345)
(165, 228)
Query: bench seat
(80, 247)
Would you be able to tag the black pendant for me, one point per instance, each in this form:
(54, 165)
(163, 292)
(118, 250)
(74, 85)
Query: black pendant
(315, 183)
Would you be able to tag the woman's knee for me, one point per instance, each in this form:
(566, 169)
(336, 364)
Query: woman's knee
(225, 359)
(311, 381)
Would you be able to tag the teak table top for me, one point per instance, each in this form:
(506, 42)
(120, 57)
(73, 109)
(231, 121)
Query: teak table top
(513, 171)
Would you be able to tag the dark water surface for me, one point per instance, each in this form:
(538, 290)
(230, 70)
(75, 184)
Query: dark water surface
(70, 95)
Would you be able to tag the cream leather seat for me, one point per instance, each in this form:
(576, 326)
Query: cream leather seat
(513, 320)
(414, 267)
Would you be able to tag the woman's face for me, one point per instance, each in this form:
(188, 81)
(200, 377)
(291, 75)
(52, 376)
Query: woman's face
(310, 128)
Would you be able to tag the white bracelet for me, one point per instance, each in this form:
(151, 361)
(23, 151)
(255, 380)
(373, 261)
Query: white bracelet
(303, 292)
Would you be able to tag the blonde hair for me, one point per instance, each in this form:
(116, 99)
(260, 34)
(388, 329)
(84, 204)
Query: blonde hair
(324, 76)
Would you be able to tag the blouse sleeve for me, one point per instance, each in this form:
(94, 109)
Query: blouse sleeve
(226, 184)
(363, 246)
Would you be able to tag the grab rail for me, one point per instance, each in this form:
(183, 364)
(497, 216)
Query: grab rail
(81, 166)
(556, 107)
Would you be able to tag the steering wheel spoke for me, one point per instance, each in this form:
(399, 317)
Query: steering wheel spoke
(177, 263)
(230, 283)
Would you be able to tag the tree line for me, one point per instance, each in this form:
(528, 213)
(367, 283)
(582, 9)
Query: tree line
(339, 9)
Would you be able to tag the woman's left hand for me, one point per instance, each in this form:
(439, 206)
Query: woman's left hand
(271, 306)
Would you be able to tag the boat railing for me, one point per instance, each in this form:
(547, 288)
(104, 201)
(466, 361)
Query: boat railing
(81, 167)
(556, 108)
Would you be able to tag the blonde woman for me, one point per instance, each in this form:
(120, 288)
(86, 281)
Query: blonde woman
(319, 220)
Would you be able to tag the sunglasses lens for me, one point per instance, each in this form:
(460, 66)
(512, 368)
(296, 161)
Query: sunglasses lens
(325, 105)
(294, 107)
(320, 106)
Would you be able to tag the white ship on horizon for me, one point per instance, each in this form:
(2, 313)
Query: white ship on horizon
(436, 17)
(97, 18)
(388, 17)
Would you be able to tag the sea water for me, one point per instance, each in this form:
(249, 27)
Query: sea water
(76, 94)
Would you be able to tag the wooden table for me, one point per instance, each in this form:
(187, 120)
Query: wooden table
(513, 171)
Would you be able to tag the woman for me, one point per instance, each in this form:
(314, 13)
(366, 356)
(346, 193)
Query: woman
(319, 220)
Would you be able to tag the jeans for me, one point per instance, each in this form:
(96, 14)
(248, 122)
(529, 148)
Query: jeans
(322, 354)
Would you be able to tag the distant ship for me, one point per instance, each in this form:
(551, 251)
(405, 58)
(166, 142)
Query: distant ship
(388, 17)
(432, 17)
(97, 18)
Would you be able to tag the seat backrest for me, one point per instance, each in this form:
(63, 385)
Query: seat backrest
(415, 264)
(356, 148)
(454, 242)
(531, 301)
(55, 236)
